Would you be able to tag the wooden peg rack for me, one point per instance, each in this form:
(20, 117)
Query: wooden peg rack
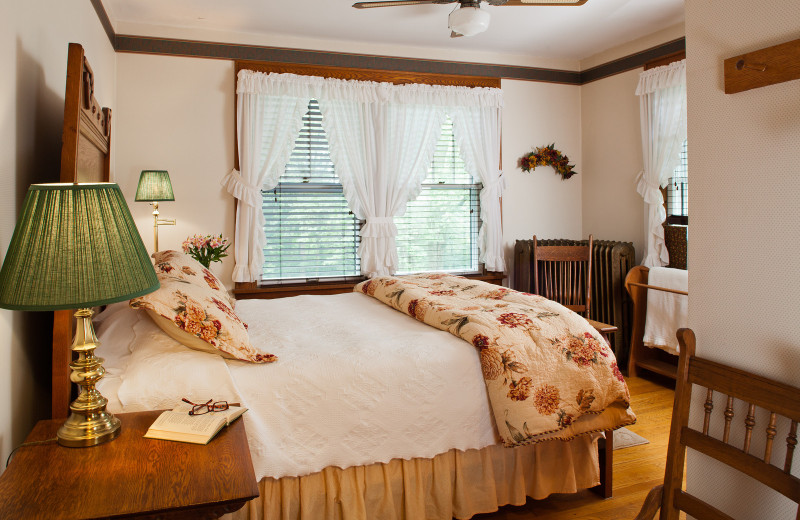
(763, 67)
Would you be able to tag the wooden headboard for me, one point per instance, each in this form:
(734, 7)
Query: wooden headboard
(85, 157)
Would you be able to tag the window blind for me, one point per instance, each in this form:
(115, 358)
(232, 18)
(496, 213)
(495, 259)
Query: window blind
(310, 231)
(439, 230)
(678, 191)
(312, 234)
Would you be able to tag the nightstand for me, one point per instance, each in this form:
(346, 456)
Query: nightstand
(130, 477)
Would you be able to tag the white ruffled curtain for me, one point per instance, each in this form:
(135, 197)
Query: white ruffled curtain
(382, 152)
(477, 132)
(662, 103)
(382, 139)
(269, 121)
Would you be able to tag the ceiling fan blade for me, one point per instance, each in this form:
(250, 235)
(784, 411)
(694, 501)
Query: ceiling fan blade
(454, 34)
(545, 2)
(393, 3)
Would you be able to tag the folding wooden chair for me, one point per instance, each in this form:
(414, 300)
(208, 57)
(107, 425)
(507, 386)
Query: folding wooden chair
(779, 399)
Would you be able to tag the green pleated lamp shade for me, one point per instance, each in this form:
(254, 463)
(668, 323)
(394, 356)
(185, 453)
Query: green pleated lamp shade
(75, 246)
(154, 186)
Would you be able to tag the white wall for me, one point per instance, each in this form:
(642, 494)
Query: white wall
(540, 202)
(744, 155)
(634, 46)
(611, 140)
(612, 150)
(177, 114)
(612, 157)
(34, 36)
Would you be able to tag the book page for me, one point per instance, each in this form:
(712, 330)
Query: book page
(230, 414)
(182, 422)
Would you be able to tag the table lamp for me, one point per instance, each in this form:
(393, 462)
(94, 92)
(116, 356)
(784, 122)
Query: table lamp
(76, 246)
(154, 186)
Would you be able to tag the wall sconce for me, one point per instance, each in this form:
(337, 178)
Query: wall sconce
(154, 186)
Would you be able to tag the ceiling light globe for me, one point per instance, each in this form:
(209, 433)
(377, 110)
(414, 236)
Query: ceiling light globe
(468, 21)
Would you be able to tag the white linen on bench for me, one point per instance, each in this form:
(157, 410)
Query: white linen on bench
(666, 312)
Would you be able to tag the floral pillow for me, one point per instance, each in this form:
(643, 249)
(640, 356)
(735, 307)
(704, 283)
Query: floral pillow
(197, 317)
(180, 265)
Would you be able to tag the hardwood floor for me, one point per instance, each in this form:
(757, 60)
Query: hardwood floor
(636, 469)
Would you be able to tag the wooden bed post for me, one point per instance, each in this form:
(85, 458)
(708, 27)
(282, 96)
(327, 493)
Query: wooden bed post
(605, 452)
(63, 324)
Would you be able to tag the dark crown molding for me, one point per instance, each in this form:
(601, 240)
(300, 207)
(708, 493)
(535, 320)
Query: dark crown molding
(632, 61)
(105, 22)
(230, 51)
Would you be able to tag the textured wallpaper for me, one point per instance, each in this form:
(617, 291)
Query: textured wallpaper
(744, 255)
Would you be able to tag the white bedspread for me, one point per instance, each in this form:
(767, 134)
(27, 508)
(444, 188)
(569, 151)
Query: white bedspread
(666, 312)
(356, 382)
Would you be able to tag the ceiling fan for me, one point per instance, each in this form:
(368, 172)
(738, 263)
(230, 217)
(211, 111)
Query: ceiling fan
(467, 19)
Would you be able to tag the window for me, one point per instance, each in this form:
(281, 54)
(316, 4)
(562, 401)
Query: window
(439, 231)
(677, 197)
(312, 234)
(310, 231)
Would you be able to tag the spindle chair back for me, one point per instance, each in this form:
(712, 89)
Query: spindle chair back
(779, 400)
(564, 274)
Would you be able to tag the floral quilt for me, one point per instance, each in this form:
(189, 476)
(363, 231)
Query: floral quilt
(549, 374)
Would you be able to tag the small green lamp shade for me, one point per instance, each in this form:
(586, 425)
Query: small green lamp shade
(154, 186)
(75, 246)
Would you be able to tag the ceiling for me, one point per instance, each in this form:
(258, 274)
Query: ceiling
(557, 32)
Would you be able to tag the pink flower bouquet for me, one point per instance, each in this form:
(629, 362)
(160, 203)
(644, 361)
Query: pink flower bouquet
(206, 249)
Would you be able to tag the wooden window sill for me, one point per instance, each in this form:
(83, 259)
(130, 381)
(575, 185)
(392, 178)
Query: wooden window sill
(245, 291)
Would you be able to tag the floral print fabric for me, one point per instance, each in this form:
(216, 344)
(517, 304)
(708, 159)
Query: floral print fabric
(197, 317)
(548, 373)
(182, 266)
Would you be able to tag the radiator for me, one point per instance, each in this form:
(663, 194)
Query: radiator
(611, 262)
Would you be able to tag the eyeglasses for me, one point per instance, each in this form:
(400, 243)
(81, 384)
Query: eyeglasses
(209, 406)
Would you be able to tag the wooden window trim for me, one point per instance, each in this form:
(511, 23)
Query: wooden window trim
(247, 290)
(665, 60)
(251, 290)
(386, 76)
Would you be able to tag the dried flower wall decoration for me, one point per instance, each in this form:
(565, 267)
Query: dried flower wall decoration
(548, 156)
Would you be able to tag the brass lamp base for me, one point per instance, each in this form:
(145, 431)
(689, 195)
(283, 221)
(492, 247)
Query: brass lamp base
(89, 424)
(80, 431)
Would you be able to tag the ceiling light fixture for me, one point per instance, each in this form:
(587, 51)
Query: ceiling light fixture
(468, 19)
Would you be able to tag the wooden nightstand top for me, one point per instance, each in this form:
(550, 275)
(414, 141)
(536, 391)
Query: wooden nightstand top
(130, 476)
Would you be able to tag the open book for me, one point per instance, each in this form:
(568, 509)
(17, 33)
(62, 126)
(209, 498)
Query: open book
(178, 425)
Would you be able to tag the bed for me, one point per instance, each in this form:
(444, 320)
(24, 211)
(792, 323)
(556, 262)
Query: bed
(400, 428)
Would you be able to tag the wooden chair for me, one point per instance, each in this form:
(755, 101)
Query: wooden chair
(778, 399)
(564, 274)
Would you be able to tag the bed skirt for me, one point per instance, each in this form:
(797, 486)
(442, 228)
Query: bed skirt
(456, 484)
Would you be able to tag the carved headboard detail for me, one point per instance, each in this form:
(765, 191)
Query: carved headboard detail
(85, 157)
(86, 138)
